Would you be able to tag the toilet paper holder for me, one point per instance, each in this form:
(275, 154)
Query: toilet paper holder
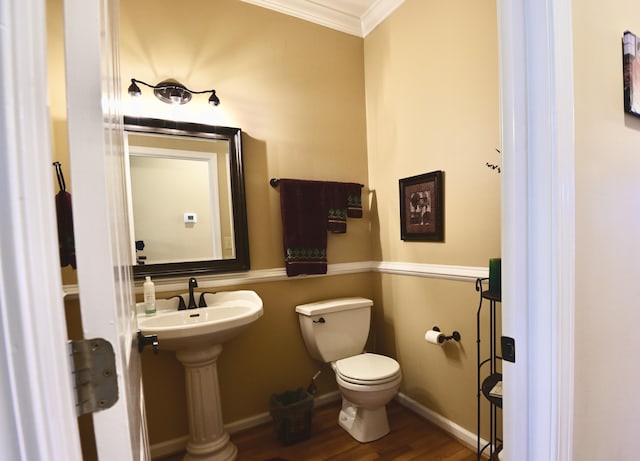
(454, 336)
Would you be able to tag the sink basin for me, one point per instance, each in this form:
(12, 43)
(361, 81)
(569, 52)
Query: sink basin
(226, 315)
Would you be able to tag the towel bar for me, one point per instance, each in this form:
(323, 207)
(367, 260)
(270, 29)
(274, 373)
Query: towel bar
(275, 181)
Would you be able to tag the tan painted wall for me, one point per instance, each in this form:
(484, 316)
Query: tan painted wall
(432, 104)
(298, 92)
(607, 190)
(295, 88)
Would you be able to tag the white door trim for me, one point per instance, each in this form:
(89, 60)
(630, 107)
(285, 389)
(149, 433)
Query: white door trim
(564, 226)
(37, 408)
(538, 209)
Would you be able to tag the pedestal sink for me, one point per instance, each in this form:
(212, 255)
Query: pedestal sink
(197, 336)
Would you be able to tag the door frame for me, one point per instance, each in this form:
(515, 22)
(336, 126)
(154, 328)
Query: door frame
(37, 406)
(538, 226)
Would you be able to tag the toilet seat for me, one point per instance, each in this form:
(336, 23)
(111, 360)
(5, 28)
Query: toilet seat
(367, 369)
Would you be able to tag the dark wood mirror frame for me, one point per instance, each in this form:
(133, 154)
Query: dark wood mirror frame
(238, 197)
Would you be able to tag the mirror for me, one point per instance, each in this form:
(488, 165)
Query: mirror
(186, 198)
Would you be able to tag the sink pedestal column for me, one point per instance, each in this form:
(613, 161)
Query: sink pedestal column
(208, 440)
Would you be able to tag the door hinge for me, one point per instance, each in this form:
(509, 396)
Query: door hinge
(94, 370)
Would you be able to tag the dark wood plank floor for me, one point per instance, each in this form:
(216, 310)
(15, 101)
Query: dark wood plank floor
(411, 438)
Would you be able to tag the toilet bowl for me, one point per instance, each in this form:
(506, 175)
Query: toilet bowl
(335, 331)
(366, 389)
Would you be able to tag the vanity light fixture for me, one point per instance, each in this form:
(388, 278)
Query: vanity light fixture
(171, 92)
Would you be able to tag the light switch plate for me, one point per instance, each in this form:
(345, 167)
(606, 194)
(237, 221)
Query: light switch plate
(508, 348)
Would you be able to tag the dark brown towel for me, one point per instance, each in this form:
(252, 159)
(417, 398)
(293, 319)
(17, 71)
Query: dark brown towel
(354, 199)
(310, 209)
(343, 200)
(304, 226)
(336, 196)
(66, 241)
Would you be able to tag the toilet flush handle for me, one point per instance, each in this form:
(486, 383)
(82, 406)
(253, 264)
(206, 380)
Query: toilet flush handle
(320, 320)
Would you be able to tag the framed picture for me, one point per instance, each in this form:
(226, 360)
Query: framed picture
(422, 207)
(631, 73)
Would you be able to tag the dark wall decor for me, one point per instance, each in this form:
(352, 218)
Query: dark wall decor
(422, 207)
(631, 73)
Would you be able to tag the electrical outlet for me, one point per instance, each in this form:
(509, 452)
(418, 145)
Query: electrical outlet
(508, 348)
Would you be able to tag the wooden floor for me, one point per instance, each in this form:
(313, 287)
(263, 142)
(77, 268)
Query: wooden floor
(411, 438)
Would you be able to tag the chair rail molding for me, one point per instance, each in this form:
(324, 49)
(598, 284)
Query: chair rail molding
(438, 271)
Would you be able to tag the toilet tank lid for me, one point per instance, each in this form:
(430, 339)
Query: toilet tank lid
(333, 305)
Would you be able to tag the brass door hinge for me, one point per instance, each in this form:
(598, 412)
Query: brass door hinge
(94, 369)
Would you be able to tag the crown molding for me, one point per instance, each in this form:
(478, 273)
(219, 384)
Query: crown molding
(333, 18)
(378, 12)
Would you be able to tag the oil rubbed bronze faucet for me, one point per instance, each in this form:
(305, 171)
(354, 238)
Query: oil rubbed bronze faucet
(193, 283)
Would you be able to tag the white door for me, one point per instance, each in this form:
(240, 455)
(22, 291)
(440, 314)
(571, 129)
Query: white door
(101, 225)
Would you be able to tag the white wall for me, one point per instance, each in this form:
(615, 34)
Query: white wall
(607, 399)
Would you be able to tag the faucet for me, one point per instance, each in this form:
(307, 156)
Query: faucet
(193, 283)
(181, 305)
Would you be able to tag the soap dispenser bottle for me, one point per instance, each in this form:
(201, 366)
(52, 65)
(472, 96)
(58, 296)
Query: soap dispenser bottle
(149, 297)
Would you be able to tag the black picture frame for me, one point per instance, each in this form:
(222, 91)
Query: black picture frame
(422, 207)
(631, 73)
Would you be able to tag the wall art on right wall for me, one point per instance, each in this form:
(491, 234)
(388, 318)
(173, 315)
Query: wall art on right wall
(631, 73)
(422, 207)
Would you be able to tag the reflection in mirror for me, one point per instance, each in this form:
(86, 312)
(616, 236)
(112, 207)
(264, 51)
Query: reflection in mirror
(174, 222)
(186, 198)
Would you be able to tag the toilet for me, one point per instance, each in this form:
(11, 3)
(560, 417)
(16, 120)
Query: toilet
(335, 331)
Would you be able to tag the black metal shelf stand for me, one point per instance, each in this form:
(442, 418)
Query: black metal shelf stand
(488, 374)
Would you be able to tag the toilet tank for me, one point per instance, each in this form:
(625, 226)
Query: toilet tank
(335, 328)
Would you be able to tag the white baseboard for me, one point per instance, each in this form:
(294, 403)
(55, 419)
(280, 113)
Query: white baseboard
(168, 447)
(466, 437)
(178, 444)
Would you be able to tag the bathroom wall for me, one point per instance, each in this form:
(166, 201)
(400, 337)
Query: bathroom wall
(607, 223)
(297, 90)
(432, 104)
